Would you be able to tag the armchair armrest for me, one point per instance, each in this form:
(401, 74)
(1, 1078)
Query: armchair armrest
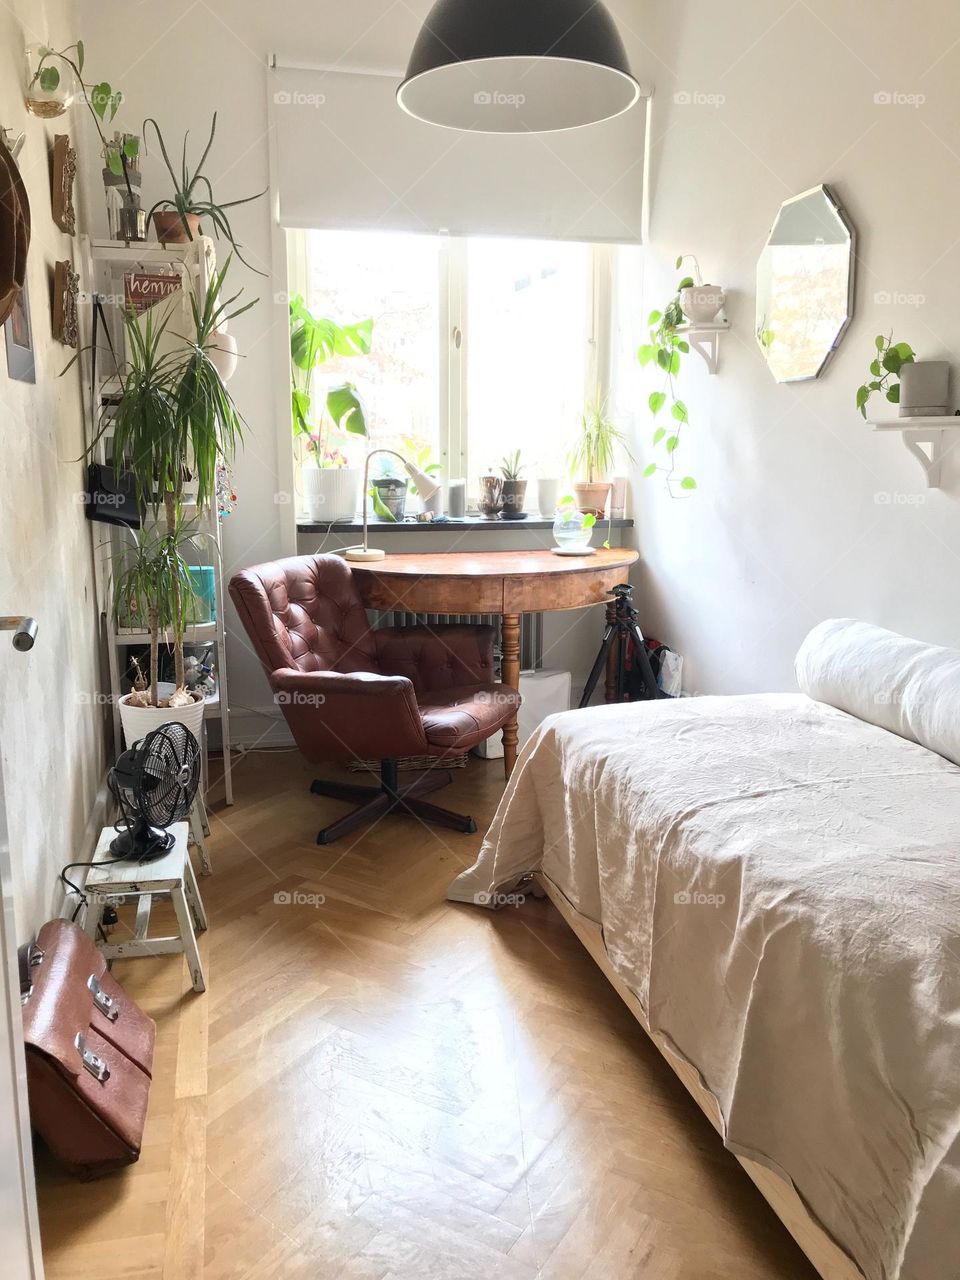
(437, 657)
(336, 716)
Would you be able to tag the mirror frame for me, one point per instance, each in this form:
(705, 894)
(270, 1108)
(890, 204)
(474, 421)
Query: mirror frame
(839, 210)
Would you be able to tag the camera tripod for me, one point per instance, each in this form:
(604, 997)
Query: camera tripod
(621, 623)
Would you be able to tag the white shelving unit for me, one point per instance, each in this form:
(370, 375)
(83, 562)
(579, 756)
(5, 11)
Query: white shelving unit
(920, 432)
(705, 340)
(105, 264)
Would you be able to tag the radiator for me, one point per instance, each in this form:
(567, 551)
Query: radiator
(531, 630)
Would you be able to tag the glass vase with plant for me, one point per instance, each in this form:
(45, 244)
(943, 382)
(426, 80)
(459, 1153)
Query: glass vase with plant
(179, 218)
(593, 457)
(313, 341)
(54, 76)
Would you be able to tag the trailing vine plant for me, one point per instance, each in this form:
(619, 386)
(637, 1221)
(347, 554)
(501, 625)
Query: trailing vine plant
(885, 370)
(666, 348)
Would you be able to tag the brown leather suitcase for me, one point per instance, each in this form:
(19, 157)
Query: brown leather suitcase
(89, 1051)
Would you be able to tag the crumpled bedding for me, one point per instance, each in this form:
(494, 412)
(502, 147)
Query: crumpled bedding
(779, 884)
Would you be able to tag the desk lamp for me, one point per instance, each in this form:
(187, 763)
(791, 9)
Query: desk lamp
(426, 486)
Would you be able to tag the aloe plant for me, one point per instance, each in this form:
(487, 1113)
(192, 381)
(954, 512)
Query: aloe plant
(511, 466)
(193, 192)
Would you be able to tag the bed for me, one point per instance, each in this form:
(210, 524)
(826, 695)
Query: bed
(772, 884)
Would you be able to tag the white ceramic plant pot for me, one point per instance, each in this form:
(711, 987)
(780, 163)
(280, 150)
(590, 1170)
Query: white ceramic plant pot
(701, 303)
(924, 389)
(548, 492)
(223, 354)
(138, 721)
(331, 493)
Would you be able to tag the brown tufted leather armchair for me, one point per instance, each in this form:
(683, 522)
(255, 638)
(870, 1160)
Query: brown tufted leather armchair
(349, 691)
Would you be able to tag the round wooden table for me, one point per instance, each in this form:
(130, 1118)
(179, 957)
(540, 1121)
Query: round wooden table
(509, 583)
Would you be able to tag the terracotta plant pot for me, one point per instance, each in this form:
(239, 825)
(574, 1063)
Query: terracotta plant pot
(513, 494)
(170, 228)
(592, 498)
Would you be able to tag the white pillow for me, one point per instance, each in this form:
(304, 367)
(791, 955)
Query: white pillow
(906, 686)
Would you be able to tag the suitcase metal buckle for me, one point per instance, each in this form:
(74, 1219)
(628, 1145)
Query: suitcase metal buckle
(100, 998)
(94, 1064)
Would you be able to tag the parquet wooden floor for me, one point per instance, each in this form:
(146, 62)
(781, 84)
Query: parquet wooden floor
(381, 1085)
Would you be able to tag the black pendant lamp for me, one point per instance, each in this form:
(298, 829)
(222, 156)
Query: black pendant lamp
(517, 66)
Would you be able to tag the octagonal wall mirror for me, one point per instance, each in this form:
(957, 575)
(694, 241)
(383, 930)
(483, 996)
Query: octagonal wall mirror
(805, 285)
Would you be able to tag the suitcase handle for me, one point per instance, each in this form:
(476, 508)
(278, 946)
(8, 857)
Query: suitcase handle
(104, 1003)
(92, 1062)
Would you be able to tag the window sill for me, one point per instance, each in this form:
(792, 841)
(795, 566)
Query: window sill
(305, 525)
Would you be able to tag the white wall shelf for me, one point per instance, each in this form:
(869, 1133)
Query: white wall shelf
(705, 340)
(920, 432)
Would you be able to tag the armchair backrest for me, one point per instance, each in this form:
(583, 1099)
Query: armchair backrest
(304, 613)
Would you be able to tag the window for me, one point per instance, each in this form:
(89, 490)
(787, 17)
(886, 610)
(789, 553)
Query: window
(480, 346)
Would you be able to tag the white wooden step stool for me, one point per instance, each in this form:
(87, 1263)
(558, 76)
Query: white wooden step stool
(168, 877)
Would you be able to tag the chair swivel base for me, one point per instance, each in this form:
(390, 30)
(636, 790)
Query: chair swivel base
(389, 797)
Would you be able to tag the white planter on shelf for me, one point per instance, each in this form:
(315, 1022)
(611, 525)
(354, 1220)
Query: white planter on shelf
(702, 303)
(137, 722)
(224, 354)
(331, 493)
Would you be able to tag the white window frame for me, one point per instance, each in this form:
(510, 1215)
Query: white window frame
(454, 338)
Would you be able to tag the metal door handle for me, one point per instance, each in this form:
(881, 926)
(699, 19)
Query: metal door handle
(24, 631)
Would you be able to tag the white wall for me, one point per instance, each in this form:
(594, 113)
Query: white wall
(51, 728)
(802, 512)
(213, 56)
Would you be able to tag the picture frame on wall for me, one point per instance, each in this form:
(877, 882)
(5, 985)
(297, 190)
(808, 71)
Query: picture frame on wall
(18, 336)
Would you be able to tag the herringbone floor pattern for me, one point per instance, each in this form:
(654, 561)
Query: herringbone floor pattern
(383, 1086)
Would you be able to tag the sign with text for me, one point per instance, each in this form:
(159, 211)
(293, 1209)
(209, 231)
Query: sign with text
(144, 289)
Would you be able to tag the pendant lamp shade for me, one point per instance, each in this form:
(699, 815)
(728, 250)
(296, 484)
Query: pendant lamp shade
(517, 66)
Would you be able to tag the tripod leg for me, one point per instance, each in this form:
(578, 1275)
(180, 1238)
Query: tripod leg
(622, 664)
(598, 666)
(643, 662)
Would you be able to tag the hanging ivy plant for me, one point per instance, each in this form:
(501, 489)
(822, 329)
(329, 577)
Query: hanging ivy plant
(666, 349)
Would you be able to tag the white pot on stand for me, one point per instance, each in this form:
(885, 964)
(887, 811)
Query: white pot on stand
(331, 493)
(137, 722)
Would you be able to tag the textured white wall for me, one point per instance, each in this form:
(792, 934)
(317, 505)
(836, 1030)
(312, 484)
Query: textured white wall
(802, 512)
(51, 728)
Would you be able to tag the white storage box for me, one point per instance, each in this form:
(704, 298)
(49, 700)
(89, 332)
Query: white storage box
(543, 693)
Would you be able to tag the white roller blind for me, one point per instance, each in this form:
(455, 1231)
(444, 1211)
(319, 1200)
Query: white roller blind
(349, 157)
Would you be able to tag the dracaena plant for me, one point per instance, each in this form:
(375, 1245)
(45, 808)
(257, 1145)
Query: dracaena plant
(313, 341)
(594, 451)
(174, 420)
(666, 349)
(888, 360)
(193, 192)
(102, 100)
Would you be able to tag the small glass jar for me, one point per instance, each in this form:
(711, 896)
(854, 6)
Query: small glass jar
(572, 530)
(49, 83)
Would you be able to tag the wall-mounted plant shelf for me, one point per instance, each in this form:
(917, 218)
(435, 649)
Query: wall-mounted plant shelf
(705, 340)
(920, 432)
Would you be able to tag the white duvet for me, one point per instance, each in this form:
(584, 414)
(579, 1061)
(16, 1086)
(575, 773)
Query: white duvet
(779, 884)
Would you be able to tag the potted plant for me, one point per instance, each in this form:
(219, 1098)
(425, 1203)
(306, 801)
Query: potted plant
(178, 218)
(331, 487)
(174, 423)
(666, 349)
(886, 368)
(513, 491)
(593, 457)
(49, 83)
(701, 303)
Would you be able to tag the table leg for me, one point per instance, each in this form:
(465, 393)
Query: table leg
(510, 674)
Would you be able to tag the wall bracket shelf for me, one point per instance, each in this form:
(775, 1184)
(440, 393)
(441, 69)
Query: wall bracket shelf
(705, 340)
(920, 432)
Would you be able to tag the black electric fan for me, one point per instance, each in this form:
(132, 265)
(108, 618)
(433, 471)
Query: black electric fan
(154, 783)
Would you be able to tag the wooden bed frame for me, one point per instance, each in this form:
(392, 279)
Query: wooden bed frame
(827, 1257)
